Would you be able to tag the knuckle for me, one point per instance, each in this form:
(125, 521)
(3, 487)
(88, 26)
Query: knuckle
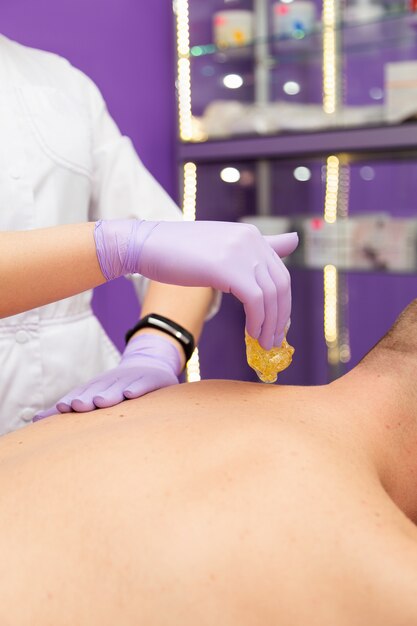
(285, 282)
(258, 297)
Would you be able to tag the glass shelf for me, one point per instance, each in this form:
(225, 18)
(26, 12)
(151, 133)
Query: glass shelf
(397, 29)
(278, 85)
(378, 141)
(352, 271)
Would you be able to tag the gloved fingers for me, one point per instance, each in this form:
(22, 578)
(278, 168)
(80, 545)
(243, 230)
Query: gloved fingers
(146, 384)
(281, 277)
(47, 413)
(114, 393)
(252, 298)
(64, 404)
(269, 290)
(283, 245)
(82, 401)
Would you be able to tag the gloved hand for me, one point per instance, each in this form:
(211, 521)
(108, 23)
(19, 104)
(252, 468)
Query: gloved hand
(233, 258)
(149, 362)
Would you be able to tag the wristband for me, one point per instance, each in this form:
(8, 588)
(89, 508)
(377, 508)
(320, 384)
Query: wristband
(153, 320)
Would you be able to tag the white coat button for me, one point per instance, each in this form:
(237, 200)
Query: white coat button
(15, 174)
(22, 336)
(27, 415)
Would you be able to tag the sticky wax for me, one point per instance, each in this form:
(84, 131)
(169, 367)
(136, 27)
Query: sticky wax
(268, 363)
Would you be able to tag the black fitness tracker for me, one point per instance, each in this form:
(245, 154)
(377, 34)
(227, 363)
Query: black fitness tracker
(153, 320)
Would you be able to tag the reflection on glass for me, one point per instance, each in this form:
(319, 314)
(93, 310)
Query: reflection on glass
(291, 88)
(302, 173)
(233, 81)
(230, 175)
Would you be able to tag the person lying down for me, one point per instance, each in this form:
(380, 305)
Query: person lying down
(221, 503)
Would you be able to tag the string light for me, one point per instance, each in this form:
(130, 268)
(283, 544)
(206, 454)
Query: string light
(181, 9)
(330, 313)
(193, 368)
(330, 88)
(189, 209)
(336, 206)
(332, 189)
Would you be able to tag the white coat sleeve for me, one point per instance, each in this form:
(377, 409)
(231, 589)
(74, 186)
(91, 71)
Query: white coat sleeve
(122, 187)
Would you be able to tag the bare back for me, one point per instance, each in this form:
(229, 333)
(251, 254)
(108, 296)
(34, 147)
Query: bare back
(211, 503)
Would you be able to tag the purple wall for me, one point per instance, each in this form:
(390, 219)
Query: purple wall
(126, 47)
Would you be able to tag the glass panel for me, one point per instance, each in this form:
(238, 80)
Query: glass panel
(351, 275)
(254, 80)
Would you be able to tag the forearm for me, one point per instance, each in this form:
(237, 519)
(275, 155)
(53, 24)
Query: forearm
(41, 266)
(187, 306)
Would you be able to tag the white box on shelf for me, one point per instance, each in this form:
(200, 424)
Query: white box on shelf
(400, 90)
(233, 28)
(288, 18)
(369, 242)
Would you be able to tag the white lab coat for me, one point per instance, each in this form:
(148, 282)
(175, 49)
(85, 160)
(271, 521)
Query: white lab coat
(62, 160)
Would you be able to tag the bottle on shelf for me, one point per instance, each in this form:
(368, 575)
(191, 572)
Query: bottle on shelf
(233, 24)
(362, 11)
(293, 19)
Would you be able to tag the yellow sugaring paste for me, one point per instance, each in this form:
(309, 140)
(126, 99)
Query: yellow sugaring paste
(267, 363)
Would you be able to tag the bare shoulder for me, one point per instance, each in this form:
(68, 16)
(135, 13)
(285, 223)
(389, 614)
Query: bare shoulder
(395, 597)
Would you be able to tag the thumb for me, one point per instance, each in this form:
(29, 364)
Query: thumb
(283, 244)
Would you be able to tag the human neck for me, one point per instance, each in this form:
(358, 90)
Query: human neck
(384, 412)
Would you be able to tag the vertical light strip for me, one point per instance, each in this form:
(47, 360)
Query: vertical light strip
(330, 273)
(343, 213)
(336, 206)
(330, 62)
(330, 304)
(331, 332)
(332, 189)
(345, 352)
(193, 368)
(189, 209)
(344, 187)
(181, 9)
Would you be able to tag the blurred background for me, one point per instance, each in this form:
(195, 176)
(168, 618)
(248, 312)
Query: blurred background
(293, 115)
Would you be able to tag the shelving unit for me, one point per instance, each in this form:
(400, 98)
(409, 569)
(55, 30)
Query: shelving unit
(350, 171)
(381, 139)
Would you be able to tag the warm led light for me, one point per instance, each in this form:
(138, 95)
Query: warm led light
(189, 206)
(336, 331)
(302, 173)
(330, 304)
(193, 368)
(184, 70)
(329, 56)
(230, 175)
(332, 189)
(233, 81)
(181, 9)
(189, 210)
(291, 88)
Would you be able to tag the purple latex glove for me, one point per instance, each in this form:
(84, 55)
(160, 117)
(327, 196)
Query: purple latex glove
(149, 362)
(233, 258)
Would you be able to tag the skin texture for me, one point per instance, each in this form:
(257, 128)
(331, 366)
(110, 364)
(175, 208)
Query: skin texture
(48, 264)
(217, 503)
